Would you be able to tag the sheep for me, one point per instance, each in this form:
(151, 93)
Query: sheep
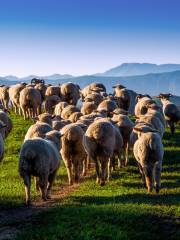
(88, 107)
(155, 110)
(40, 158)
(70, 93)
(30, 102)
(68, 110)
(72, 151)
(154, 121)
(59, 124)
(50, 103)
(148, 152)
(14, 94)
(53, 90)
(123, 97)
(4, 95)
(37, 130)
(2, 127)
(100, 143)
(170, 110)
(44, 118)
(142, 102)
(97, 98)
(92, 88)
(59, 107)
(42, 89)
(107, 106)
(125, 126)
(7, 121)
(74, 117)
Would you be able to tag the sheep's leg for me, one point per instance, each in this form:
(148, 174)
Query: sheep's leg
(142, 175)
(69, 171)
(97, 170)
(36, 180)
(148, 171)
(88, 162)
(157, 177)
(172, 127)
(126, 153)
(104, 163)
(85, 167)
(120, 160)
(27, 183)
(76, 171)
(39, 110)
(24, 113)
(20, 111)
(43, 181)
(51, 179)
(109, 168)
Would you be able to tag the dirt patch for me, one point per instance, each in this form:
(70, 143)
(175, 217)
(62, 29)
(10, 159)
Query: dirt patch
(13, 220)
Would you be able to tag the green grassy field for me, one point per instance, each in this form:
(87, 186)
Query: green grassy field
(120, 210)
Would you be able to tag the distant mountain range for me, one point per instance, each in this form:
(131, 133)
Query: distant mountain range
(133, 69)
(142, 78)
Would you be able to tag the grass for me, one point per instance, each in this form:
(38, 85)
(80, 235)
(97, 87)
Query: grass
(120, 210)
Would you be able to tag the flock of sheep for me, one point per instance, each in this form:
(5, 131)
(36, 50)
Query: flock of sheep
(100, 131)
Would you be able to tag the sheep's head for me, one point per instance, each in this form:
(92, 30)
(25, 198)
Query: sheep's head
(164, 96)
(55, 137)
(119, 86)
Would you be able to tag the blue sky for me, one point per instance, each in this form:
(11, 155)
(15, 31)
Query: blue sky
(86, 36)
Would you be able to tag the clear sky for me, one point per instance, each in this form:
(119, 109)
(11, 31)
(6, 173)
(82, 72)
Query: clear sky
(86, 36)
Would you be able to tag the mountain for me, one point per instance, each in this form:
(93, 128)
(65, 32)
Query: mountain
(152, 84)
(52, 77)
(133, 69)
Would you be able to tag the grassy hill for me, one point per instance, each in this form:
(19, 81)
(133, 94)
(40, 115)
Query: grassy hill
(120, 210)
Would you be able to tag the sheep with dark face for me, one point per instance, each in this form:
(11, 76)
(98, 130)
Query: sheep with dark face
(148, 152)
(170, 110)
(40, 158)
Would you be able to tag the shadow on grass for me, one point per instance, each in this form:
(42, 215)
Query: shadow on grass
(136, 198)
(99, 222)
